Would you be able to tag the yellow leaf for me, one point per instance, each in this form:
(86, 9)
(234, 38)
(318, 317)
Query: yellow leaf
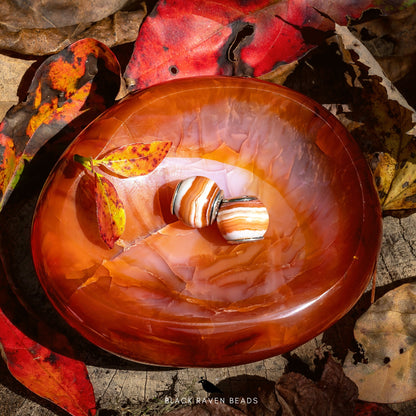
(135, 159)
(111, 215)
(387, 334)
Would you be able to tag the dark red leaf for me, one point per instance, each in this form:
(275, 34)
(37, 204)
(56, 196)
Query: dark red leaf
(373, 409)
(83, 77)
(183, 38)
(62, 380)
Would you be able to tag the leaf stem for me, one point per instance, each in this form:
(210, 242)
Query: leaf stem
(84, 161)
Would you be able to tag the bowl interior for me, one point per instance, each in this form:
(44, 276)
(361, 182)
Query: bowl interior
(168, 285)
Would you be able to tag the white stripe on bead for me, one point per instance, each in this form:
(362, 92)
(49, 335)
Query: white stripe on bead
(201, 211)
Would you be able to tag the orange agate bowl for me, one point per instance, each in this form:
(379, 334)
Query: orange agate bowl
(173, 295)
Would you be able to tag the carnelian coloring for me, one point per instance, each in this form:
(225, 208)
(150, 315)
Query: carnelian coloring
(174, 295)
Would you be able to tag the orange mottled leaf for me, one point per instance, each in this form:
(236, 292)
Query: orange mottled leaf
(111, 215)
(135, 159)
(83, 79)
(7, 158)
(53, 111)
(60, 379)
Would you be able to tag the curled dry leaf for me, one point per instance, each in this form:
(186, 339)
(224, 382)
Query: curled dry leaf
(387, 334)
(111, 215)
(280, 74)
(135, 159)
(333, 395)
(82, 79)
(383, 123)
(390, 39)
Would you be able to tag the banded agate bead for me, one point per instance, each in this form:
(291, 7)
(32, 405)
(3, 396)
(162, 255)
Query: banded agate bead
(243, 219)
(196, 201)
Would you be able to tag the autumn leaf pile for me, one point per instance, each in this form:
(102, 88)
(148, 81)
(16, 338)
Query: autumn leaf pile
(285, 42)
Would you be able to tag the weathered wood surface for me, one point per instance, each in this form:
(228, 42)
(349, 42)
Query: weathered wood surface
(124, 388)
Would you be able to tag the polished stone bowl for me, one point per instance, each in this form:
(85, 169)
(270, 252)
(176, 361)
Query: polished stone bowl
(172, 295)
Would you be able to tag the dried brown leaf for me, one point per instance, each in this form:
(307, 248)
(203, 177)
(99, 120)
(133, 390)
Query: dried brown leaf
(364, 56)
(333, 395)
(253, 395)
(387, 334)
(390, 39)
(384, 125)
(44, 14)
(117, 29)
(280, 74)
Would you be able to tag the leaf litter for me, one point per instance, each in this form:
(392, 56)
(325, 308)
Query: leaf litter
(383, 123)
(325, 392)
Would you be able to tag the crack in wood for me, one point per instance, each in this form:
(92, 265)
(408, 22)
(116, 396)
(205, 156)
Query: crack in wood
(405, 236)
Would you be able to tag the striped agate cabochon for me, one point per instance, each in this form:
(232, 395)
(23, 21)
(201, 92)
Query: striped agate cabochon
(196, 201)
(243, 219)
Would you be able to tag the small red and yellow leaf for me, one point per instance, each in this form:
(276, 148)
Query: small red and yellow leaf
(135, 159)
(111, 215)
(60, 379)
